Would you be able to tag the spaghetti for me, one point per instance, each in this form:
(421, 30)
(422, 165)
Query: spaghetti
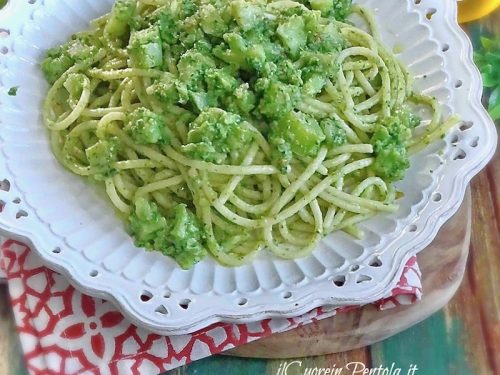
(246, 200)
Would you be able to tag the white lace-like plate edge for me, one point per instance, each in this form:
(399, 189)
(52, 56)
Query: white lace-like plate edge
(431, 217)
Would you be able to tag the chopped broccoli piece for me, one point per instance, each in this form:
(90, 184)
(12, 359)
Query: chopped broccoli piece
(335, 135)
(336, 9)
(101, 155)
(192, 67)
(203, 46)
(314, 85)
(326, 39)
(178, 235)
(288, 73)
(246, 54)
(301, 131)
(58, 60)
(247, 15)
(147, 127)
(391, 161)
(341, 9)
(83, 47)
(264, 35)
(215, 134)
(120, 17)
(145, 49)
(55, 64)
(211, 21)
(278, 98)
(221, 82)
(165, 88)
(13, 91)
(146, 223)
(169, 32)
(243, 101)
(187, 8)
(389, 143)
(235, 55)
(201, 100)
(292, 34)
(318, 64)
(185, 237)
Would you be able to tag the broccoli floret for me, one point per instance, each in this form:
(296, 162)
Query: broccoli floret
(314, 85)
(391, 161)
(326, 39)
(145, 49)
(335, 135)
(247, 15)
(318, 64)
(277, 98)
(221, 82)
(264, 35)
(389, 143)
(336, 9)
(178, 235)
(101, 155)
(292, 34)
(407, 118)
(235, 54)
(59, 59)
(243, 100)
(301, 131)
(120, 17)
(165, 88)
(55, 64)
(203, 46)
(167, 25)
(83, 47)
(288, 73)
(184, 240)
(245, 54)
(147, 127)
(341, 9)
(190, 32)
(187, 8)
(192, 67)
(215, 134)
(146, 223)
(211, 21)
(220, 85)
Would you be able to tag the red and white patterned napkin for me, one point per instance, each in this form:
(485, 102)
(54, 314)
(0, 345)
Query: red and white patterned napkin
(63, 331)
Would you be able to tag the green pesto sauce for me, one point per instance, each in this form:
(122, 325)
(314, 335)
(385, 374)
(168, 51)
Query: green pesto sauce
(228, 63)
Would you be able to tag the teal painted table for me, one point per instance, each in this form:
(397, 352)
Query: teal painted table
(462, 339)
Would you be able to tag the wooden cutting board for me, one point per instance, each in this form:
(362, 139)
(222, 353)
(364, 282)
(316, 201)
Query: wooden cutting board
(442, 264)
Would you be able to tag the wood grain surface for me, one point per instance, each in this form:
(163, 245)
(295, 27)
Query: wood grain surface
(442, 265)
(461, 339)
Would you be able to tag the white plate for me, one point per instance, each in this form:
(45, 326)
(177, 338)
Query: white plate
(3, 276)
(74, 230)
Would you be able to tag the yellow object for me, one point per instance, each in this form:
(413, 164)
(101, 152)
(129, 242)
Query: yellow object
(470, 10)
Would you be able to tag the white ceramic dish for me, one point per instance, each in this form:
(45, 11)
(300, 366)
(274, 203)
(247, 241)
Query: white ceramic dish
(2, 273)
(74, 231)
